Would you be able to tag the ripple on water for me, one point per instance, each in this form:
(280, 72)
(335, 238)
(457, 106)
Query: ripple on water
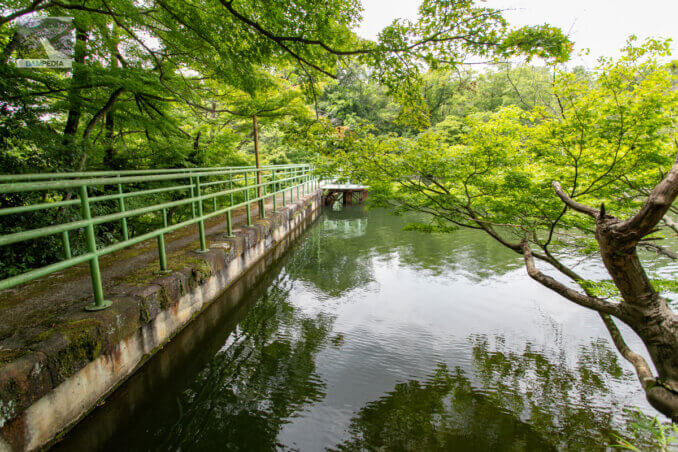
(371, 338)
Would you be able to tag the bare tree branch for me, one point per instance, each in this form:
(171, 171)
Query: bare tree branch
(100, 114)
(642, 368)
(653, 210)
(668, 221)
(597, 304)
(280, 39)
(658, 249)
(35, 6)
(590, 211)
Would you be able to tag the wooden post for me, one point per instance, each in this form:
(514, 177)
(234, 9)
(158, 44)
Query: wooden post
(348, 197)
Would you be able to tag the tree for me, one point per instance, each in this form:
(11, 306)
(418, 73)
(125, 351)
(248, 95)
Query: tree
(530, 179)
(140, 68)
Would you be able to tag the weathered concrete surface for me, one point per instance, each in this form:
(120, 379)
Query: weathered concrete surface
(52, 377)
(180, 359)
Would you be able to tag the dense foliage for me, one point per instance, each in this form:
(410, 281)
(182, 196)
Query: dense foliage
(576, 164)
(166, 83)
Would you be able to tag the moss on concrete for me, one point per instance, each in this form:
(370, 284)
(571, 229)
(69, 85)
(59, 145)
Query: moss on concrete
(72, 345)
(46, 344)
(176, 261)
(8, 355)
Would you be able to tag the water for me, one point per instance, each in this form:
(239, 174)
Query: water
(367, 337)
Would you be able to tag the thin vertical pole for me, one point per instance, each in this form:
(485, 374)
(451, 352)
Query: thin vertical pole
(201, 223)
(262, 200)
(192, 198)
(123, 222)
(94, 271)
(247, 199)
(229, 225)
(214, 202)
(67, 244)
(274, 190)
(161, 244)
(255, 127)
(282, 186)
(230, 186)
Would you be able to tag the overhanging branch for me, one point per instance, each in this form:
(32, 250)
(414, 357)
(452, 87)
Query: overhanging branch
(597, 304)
(653, 210)
(590, 211)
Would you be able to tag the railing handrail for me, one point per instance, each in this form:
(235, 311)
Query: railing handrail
(218, 185)
(61, 184)
(93, 174)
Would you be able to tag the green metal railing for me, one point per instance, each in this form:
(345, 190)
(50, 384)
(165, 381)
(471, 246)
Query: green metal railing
(208, 192)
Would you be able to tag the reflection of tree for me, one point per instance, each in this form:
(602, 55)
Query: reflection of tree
(332, 257)
(442, 413)
(572, 405)
(528, 401)
(264, 373)
(336, 257)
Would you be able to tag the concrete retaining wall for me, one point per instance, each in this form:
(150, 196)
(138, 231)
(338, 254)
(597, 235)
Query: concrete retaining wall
(152, 312)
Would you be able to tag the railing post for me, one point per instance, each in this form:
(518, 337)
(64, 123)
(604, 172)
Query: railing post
(201, 222)
(229, 225)
(230, 186)
(161, 244)
(94, 271)
(192, 198)
(247, 200)
(121, 205)
(214, 202)
(261, 192)
(274, 190)
(67, 244)
(283, 187)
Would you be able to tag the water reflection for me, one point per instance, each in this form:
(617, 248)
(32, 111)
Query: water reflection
(443, 412)
(262, 375)
(508, 402)
(364, 337)
(336, 256)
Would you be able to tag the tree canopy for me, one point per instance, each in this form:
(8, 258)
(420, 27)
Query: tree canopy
(148, 76)
(552, 162)
(588, 169)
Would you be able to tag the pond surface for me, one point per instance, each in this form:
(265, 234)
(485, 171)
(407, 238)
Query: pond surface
(365, 337)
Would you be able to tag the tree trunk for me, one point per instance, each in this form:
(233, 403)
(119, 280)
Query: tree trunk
(109, 147)
(646, 312)
(642, 307)
(109, 151)
(74, 100)
(255, 127)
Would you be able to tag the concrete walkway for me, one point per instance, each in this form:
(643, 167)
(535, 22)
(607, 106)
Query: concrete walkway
(34, 304)
(46, 336)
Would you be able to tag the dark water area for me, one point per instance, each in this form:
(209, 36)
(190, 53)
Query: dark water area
(366, 337)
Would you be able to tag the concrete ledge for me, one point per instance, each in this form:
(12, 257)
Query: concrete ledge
(52, 382)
